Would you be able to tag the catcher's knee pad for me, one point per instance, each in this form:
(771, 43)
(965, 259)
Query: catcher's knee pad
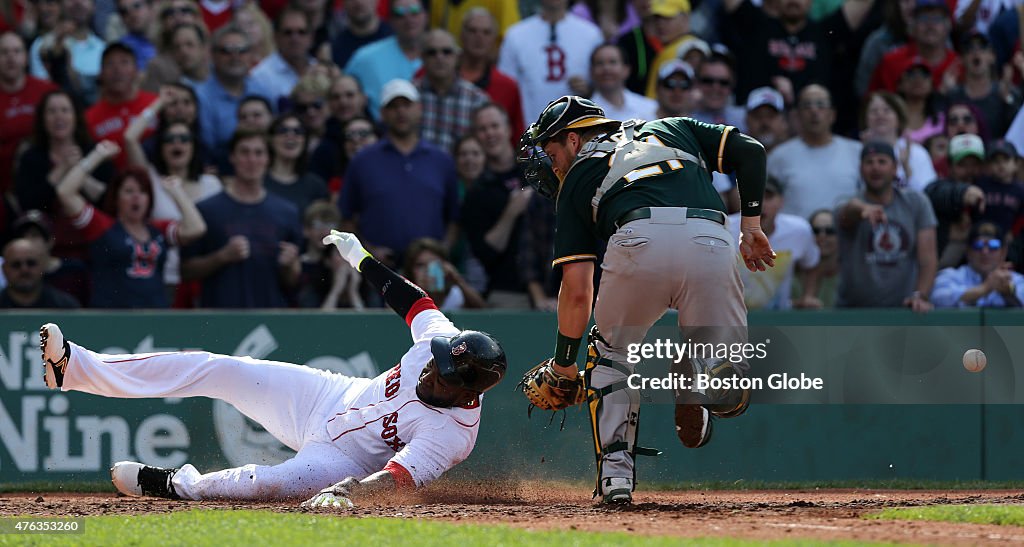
(614, 410)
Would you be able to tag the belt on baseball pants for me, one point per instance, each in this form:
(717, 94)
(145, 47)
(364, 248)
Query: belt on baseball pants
(691, 212)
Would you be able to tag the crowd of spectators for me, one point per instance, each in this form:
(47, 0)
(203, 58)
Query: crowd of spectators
(192, 153)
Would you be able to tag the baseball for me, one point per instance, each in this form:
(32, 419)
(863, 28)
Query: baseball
(974, 360)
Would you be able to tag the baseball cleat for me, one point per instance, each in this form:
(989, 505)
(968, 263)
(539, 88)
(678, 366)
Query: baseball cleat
(56, 352)
(136, 479)
(693, 425)
(616, 491)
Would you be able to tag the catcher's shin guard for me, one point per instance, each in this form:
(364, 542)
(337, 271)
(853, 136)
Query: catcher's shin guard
(614, 410)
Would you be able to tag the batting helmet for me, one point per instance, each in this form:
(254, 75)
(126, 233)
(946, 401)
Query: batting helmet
(471, 360)
(568, 112)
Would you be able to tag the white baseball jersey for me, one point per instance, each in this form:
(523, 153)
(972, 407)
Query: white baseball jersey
(543, 59)
(341, 426)
(382, 421)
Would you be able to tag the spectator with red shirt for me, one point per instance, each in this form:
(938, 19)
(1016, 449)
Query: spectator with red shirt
(128, 249)
(19, 95)
(930, 39)
(479, 37)
(120, 99)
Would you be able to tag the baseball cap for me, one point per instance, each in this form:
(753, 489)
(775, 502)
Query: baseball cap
(694, 44)
(765, 96)
(965, 145)
(116, 47)
(916, 63)
(1002, 146)
(930, 4)
(673, 67)
(877, 147)
(398, 88)
(33, 218)
(669, 8)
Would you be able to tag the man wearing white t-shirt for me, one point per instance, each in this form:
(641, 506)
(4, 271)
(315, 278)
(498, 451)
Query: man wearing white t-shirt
(545, 51)
(818, 168)
(353, 436)
(796, 253)
(608, 74)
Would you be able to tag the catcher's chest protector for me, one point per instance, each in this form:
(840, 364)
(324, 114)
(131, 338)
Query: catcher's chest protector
(630, 158)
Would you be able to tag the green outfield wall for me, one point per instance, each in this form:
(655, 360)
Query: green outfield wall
(54, 436)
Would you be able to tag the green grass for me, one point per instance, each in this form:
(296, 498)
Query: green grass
(248, 528)
(863, 484)
(1004, 515)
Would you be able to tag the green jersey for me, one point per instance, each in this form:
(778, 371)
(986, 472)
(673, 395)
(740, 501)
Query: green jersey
(669, 183)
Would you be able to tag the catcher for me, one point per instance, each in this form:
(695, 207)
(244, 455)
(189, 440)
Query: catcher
(645, 188)
(354, 436)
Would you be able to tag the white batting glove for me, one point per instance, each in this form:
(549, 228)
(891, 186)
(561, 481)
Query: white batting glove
(329, 500)
(348, 246)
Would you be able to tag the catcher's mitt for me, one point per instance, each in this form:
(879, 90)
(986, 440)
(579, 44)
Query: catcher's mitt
(548, 390)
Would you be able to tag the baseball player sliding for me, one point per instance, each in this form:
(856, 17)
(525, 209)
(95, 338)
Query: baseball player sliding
(645, 188)
(354, 436)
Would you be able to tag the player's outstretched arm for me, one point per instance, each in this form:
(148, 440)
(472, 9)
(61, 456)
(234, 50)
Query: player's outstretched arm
(402, 295)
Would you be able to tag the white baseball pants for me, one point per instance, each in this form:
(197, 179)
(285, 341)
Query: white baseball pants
(289, 401)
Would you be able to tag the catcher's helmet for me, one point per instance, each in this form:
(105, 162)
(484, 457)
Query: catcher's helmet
(471, 360)
(568, 112)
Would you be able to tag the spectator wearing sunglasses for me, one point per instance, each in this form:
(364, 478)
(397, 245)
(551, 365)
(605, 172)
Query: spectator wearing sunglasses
(287, 176)
(280, 71)
(987, 280)
(716, 81)
(309, 102)
(448, 100)
(23, 268)
(394, 57)
(177, 154)
(676, 94)
(827, 271)
(220, 95)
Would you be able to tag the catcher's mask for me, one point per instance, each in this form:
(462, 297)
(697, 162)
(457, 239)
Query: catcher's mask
(471, 360)
(568, 112)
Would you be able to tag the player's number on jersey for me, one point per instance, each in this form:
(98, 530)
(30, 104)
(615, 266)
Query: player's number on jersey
(651, 170)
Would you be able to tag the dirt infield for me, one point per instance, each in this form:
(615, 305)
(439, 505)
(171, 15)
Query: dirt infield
(790, 514)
